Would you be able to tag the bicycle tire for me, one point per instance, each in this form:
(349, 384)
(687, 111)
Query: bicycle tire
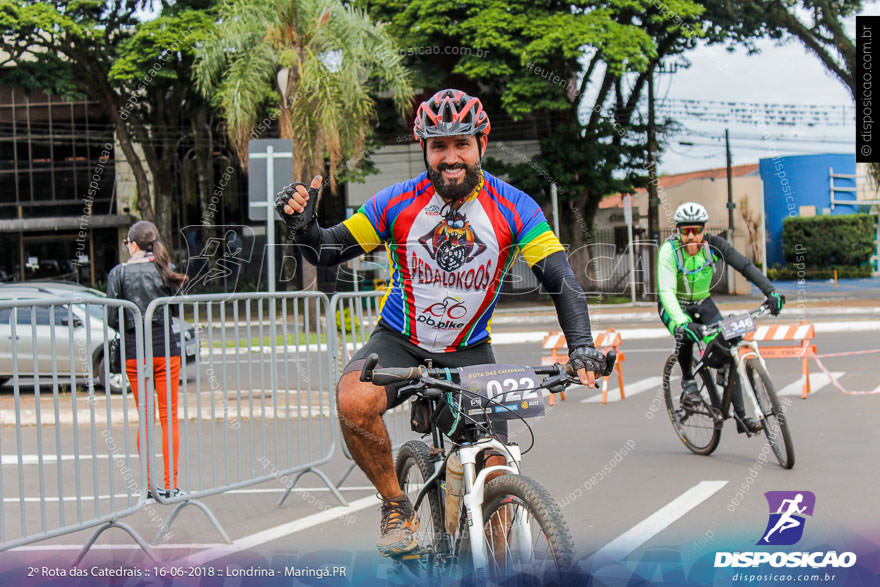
(543, 514)
(775, 422)
(413, 468)
(698, 429)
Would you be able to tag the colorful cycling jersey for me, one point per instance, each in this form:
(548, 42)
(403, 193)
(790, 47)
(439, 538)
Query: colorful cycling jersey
(447, 267)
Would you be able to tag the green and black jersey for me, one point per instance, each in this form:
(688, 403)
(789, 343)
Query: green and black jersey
(686, 279)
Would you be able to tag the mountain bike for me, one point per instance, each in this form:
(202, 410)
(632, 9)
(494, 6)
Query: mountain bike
(727, 360)
(504, 523)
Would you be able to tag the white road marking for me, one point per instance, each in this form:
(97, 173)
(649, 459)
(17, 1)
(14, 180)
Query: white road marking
(639, 534)
(137, 496)
(854, 326)
(276, 533)
(630, 389)
(654, 333)
(817, 382)
(78, 547)
(51, 458)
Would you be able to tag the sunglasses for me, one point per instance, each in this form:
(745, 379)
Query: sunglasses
(126, 241)
(689, 230)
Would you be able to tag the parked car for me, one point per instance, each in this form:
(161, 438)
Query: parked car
(68, 323)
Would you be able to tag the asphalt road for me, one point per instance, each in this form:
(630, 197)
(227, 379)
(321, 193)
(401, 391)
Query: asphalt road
(637, 502)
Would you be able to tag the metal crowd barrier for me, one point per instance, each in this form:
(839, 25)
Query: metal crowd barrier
(69, 446)
(356, 315)
(256, 402)
(259, 404)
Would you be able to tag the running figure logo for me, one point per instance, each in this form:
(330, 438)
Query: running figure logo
(787, 510)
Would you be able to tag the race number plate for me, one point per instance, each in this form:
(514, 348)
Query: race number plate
(502, 392)
(737, 325)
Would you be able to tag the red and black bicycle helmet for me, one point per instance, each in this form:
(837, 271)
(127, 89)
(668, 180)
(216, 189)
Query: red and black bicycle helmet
(450, 113)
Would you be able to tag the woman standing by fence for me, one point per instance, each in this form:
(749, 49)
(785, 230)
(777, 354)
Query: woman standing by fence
(147, 275)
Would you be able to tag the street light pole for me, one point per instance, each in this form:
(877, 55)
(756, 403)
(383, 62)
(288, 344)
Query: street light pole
(653, 198)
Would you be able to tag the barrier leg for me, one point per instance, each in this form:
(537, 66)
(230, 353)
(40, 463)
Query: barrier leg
(345, 475)
(323, 478)
(604, 390)
(208, 514)
(620, 380)
(125, 528)
(805, 369)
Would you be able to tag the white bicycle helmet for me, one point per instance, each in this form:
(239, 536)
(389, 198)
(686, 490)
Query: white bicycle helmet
(691, 213)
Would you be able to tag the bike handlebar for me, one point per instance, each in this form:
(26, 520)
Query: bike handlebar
(437, 377)
(757, 313)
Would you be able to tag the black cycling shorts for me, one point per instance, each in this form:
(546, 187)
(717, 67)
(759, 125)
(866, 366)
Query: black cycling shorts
(396, 351)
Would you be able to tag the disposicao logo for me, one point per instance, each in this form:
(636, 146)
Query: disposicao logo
(787, 510)
(785, 527)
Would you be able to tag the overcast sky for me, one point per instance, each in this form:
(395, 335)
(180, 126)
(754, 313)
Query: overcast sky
(785, 74)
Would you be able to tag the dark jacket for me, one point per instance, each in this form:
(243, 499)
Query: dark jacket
(140, 283)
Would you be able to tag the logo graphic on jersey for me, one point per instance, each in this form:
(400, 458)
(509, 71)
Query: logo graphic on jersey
(452, 243)
(785, 526)
(450, 306)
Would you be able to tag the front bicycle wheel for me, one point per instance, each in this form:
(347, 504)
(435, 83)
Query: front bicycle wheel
(523, 529)
(775, 422)
(414, 467)
(697, 427)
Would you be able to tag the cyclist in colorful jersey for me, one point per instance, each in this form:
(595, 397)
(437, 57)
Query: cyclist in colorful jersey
(451, 234)
(686, 265)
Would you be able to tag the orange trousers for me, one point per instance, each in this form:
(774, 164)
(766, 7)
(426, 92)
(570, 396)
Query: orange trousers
(160, 378)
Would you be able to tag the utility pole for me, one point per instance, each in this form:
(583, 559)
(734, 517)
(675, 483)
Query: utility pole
(730, 203)
(653, 198)
(731, 288)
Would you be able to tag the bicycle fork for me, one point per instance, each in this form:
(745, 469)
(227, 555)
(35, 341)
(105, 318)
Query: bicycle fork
(746, 385)
(474, 486)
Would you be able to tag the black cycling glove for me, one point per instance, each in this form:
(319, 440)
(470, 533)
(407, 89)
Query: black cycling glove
(690, 331)
(774, 303)
(585, 357)
(296, 221)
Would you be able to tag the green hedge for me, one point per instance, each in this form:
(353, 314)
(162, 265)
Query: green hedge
(826, 241)
(796, 271)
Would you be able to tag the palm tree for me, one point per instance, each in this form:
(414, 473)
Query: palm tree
(313, 65)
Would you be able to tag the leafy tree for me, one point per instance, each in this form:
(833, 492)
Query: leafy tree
(313, 64)
(137, 71)
(818, 24)
(160, 54)
(573, 72)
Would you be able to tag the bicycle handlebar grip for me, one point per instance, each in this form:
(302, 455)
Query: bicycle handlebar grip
(369, 365)
(610, 359)
(395, 375)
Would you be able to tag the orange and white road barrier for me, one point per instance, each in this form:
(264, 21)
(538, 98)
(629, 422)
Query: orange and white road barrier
(604, 341)
(802, 332)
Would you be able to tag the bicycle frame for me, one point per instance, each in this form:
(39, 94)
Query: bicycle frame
(738, 359)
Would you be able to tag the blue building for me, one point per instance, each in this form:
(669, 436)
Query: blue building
(805, 185)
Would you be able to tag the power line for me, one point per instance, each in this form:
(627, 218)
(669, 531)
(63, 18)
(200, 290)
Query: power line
(760, 113)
